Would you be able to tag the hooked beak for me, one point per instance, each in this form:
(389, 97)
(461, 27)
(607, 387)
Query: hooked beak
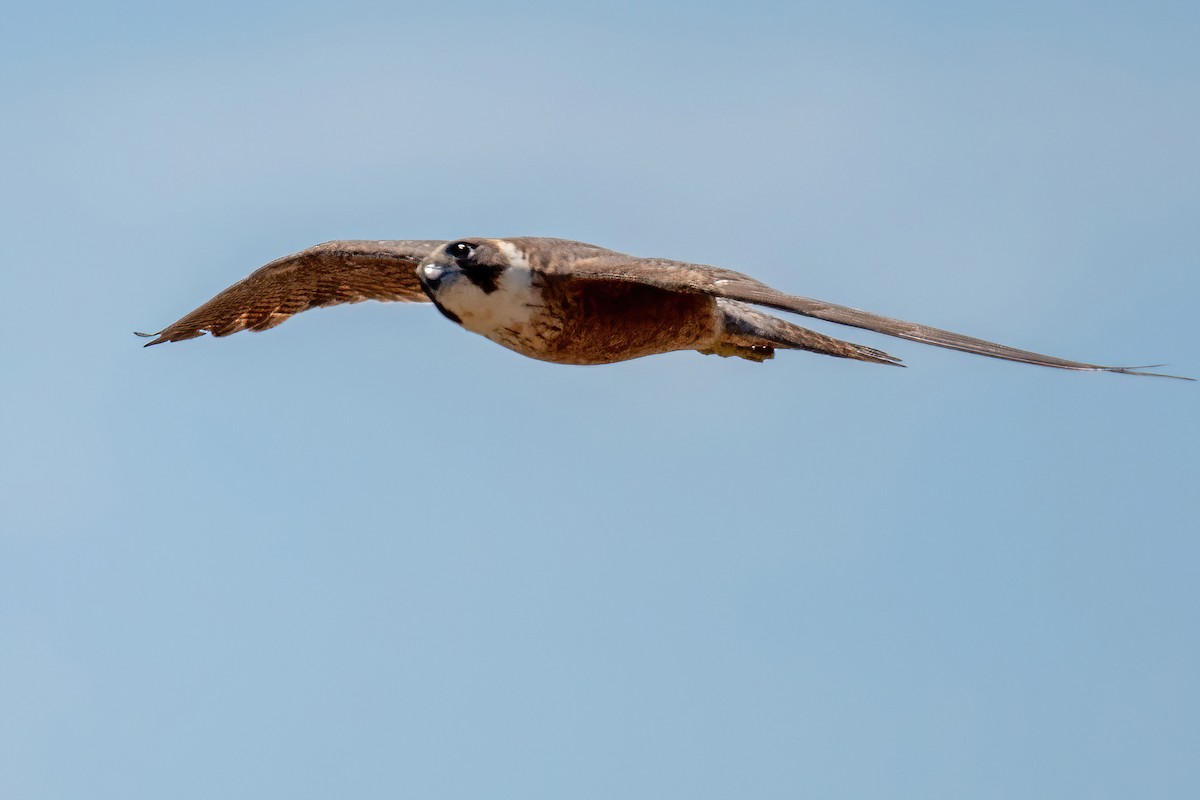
(431, 274)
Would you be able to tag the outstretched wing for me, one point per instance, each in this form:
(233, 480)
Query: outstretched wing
(323, 275)
(683, 277)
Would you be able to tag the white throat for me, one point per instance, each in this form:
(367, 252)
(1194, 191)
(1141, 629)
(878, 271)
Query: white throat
(503, 313)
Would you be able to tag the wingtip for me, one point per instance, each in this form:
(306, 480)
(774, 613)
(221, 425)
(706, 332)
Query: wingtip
(1138, 371)
(149, 336)
(887, 359)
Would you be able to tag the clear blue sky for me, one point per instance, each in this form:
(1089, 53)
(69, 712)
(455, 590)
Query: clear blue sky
(370, 555)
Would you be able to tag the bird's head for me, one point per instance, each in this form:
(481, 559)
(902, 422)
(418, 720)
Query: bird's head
(469, 280)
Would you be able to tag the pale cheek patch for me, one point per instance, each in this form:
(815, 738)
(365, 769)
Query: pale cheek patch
(462, 297)
(516, 259)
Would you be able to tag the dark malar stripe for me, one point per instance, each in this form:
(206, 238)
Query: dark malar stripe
(485, 276)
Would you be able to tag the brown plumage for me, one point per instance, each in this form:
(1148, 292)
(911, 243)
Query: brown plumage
(324, 275)
(567, 302)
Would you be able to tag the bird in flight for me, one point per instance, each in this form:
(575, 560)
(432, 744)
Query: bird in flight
(566, 302)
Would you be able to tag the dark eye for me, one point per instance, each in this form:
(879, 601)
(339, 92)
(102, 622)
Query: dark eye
(461, 251)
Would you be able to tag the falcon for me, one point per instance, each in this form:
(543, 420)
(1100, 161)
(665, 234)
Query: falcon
(567, 303)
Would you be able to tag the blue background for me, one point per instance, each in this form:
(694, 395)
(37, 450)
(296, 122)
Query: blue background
(368, 554)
